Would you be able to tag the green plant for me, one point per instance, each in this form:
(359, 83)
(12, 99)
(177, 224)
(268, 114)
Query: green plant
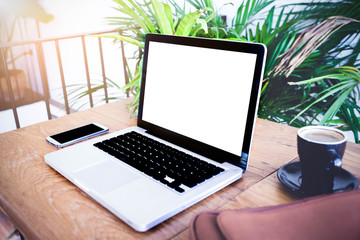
(312, 69)
(307, 78)
(324, 80)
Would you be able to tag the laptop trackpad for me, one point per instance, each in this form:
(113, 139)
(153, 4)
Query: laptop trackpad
(105, 176)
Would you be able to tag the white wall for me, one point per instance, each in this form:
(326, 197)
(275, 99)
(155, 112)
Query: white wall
(76, 16)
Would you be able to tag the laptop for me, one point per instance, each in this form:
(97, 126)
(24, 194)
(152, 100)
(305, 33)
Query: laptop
(197, 110)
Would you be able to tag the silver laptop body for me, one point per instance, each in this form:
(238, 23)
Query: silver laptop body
(198, 96)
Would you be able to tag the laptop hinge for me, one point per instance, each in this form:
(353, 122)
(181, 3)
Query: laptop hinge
(242, 162)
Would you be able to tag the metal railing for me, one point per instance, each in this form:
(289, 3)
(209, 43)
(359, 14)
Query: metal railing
(8, 95)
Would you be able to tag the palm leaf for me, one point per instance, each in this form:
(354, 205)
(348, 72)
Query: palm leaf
(340, 91)
(187, 23)
(144, 16)
(161, 17)
(247, 11)
(127, 10)
(331, 112)
(168, 14)
(308, 41)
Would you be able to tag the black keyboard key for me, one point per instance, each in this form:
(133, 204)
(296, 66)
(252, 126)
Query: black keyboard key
(189, 183)
(179, 189)
(174, 184)
(164, 181)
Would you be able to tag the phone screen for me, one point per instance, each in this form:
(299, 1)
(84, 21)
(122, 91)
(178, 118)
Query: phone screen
(76, 133)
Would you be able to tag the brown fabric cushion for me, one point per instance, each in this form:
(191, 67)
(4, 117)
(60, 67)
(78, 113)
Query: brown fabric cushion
(204, 226)
(335, 216)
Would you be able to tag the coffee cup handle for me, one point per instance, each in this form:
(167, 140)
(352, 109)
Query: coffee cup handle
(336, 158)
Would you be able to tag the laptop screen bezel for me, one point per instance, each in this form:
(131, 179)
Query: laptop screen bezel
(193, 145)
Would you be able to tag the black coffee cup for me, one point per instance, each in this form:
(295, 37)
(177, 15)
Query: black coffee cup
(320, 150)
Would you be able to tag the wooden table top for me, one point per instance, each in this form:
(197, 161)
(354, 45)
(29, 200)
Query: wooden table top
(44, 205)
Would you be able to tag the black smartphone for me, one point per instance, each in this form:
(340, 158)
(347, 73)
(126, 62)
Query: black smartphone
(76, 134)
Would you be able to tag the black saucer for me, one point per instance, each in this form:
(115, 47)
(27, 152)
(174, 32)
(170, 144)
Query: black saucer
(290, 176)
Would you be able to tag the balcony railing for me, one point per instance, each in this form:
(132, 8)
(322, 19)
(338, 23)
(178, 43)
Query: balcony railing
(31, 83)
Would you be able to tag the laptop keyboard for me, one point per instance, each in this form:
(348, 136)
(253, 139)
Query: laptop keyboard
(169, 166)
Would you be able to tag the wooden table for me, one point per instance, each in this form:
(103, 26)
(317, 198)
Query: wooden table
(44, 205)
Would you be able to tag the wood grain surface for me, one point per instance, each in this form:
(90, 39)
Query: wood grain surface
(44, 205)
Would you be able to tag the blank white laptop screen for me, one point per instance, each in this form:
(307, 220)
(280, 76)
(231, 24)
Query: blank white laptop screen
(189, 90)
